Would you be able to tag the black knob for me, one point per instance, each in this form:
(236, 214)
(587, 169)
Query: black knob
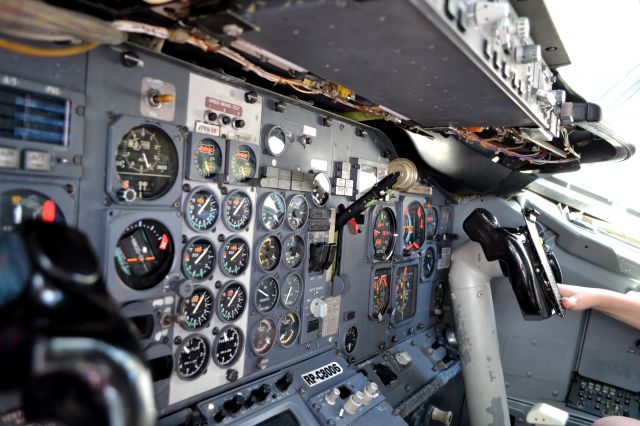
(233, 405)
(238, 123)
(232, 375)
(225, 119)
(251, 97)
(212, 116)
(261, 394)
(284, 382)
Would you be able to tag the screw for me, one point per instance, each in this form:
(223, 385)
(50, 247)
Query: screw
(215, 331)
(186, 187)
(218, 284)
(177, 340)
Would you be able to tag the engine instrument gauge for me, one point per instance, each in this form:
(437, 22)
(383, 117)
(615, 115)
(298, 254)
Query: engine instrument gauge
(21, 205)
(236, 212)
(381, 292)
(269, 253)
(263, 336)
(413, 227)
(266, 295)
(235, 257)
(320, 189)
(293, 251)
(289, 329)
(445, 224)
(272, 211)
(429, 262)
(192, 357)
(227, 346)
(384, 230)
(276, 141)
(198, 259)
(232, 300)
(201, 209)
(143, 254)
(196, 309)
(432, 223)
(242, 163)
(297, 212)
(207, 158)
(404, 306)
(291, 291)
(147, 161)
(351, 339)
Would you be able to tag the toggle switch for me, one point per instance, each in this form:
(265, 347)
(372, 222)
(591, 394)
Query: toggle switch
(354, 402)
(332, 396)
(370, 392)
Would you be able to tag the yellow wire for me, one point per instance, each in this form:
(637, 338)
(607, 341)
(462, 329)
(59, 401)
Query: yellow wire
(45, 52)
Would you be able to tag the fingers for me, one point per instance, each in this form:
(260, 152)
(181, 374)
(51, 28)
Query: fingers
(568, 290)
(570, 303)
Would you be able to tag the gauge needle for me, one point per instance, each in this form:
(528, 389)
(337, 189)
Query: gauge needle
(186, 350)
(17, 214)
(202, 255)
(235, 212)
(197, 305)
(262, 292)
(288, 294)
(146, 162)
(237, 253)
(233, 298)
(204, 205)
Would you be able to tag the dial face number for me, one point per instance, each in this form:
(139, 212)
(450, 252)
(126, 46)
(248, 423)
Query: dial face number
(236, 211)
(269, 253)
(405, 293)
(227, 346)
(201, 209)
(276, 141)
(147, 161)
(243, 163)
(297, 212)
(22, 205)
(384, 229)
(192, 357)
(414, 227)
(207, 158)
(432, 223)
(351, 339)
(143, 254)
(235, 257)
(293, 251)
(266, 294)
(429, 262)
(381, 292)
(263, 337)
(291, 290)
(232, 300)
(196, 309)
(272, 211)
(289, 329)
(198, 259)
(320, 189)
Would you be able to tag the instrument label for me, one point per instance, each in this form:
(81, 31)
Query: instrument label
(207, 129)
(223, 106)
(322, 374)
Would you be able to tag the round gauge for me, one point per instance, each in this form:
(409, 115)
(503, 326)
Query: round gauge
(21, 205)
(147, 161)
(232, 300)
(269, 253)
(263, 336)
(235, 257)
(429, 262)
(201, 209)
(405, 293)
(289, 329)
(291, 290)
(432, 223)
(381, 292)
(198, 259)
(413, 227)
(207, 158)
(196, 309)
(276, 141)
(227, 346)
(272, 211)
(236, 211)
(320, 189)
(446, 220)
(384, 229)
(297, 212)
(144, 254)
(243, 163)
(192, 357)
(293, 251)
(351, 339)
(266, 295)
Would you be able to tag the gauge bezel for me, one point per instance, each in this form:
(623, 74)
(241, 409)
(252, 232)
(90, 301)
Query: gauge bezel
(304, 253)
(414, 299)
(230, 176)
(222, 212)
(306, 219)
(297, 336)
(214, 343)
(253, 330)
(267, 148)
(217, 302)
(186, 214)
(255, 295)
(183, 343)
(435, 262)
(260, 207)
(400, 223)
(221, 259)
(355, 344)
(196, 139)
(394, 236)
(294, 304)
(257, 253)
(372, 315)
(215, 260)
(428, 237)
(213, 309)
(323, 176)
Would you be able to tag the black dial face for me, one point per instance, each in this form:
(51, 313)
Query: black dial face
(404, 306)
(272, 211)
(147, 161)
(413, 228)
(196, 309)
(232, 300)
(266, 294)
(243, 163)
(198, 259)
(289, 329)
(432, 223)
(227, 346)
(269, 253)
(144, 254)
(235, 257)
(351, 339)
(291, 290)
(321, 189)
(297, 212)
(381, 291)
(207, 158)
(192, 357)
(429, 262)
(293, 251)
(21, 205)
(263, 336)
(237, 211)
(276, 141)
(201, 209)
(384, 229)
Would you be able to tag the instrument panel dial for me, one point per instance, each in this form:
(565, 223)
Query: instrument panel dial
(236, 211)
(227, 346)
(192, 357)
(429, 262)
(289, 329)
(291, 291)
(196, 309)
(232, 301)
(384, 230)
(381, 292)
(432, 223)
(235, 257)
(269, 252)
(413, 227)
(207, 158)
(405, 293)
(351, 339)
(267, 293)
(293, 251)
(263, 336)
(201, 209)
(276, 141)
(320, 189)
(272, 211)
(297, 212)
(198, 259)
(242, 164)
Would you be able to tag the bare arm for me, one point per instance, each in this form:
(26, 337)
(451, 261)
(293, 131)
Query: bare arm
(623, 307)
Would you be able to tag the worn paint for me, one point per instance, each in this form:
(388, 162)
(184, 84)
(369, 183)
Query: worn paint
(495, 410)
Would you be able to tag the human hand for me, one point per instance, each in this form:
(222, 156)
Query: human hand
(576, 298)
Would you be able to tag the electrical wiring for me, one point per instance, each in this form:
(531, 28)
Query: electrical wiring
(45, 52)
